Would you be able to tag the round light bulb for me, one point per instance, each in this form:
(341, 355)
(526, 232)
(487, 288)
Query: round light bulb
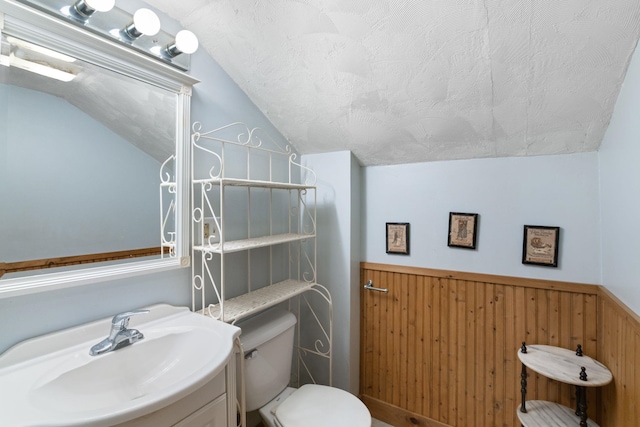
(186, 42)
(146, 22)
(101, 5)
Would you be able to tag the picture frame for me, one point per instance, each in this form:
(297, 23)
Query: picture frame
(463, 230)
(397, 234)
(540, 245)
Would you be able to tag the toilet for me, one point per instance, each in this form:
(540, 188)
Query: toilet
(267, 340)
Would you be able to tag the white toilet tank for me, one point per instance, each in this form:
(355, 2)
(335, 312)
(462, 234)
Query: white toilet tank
(267, 340)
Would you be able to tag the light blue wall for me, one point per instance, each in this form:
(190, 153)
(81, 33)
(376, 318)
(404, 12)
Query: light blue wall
(620, 193)
(357, 215)
(338, 212)
(507, 193)
(216, 100)
(71, 183)
(592, 197)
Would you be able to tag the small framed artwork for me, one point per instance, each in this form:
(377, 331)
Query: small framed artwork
(398, 238)
(540, 245)
(463, 229)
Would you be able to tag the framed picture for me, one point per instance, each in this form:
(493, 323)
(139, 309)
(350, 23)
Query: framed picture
(540, 245)
(463, 229)
(398, 238)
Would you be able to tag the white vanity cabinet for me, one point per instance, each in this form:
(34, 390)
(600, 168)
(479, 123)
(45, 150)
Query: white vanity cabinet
(211, 415)
(209, 406)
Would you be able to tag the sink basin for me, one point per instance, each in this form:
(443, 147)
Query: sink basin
(52, 380)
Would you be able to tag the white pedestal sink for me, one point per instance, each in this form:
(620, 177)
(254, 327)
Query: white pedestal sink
(52, 380)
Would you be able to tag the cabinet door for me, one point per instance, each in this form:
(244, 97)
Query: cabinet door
(213, 414)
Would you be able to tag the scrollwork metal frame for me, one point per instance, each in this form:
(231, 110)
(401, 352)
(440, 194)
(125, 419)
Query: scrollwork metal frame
(210, 151)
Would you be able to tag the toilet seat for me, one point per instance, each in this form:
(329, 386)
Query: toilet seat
(315, 405)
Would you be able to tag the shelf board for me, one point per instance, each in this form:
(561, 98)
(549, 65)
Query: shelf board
(258, 242)
(258, 300)
(564, 365)
(233, 182)
(541, 413)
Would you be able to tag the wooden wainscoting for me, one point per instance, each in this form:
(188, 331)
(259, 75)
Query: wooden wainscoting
(441, 347)
(619, 350)
(38, 264)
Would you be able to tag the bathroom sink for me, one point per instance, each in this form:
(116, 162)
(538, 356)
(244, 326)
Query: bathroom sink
(52, 380)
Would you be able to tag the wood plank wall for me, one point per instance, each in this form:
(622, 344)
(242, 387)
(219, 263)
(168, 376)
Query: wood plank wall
(619, 350)
(441, 347)
(38, 264)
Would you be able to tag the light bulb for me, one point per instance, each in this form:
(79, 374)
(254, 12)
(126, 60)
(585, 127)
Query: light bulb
(186, 42)
(101, 5)
(145, 21)
(85, 8)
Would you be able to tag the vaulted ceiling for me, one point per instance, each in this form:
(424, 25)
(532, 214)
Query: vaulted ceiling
(399, 81)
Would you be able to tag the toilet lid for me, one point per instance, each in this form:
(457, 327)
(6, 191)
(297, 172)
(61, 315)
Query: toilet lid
(321, 406)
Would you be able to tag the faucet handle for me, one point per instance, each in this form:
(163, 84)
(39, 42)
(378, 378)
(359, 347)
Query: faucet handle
(122, 319)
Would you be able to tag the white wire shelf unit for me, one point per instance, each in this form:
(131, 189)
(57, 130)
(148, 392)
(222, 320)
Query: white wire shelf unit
(168, 187)
(253, 302)
(254, 243)
(254, 236)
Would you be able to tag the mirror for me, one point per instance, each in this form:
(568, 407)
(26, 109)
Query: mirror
(83, 153)
(83, 159)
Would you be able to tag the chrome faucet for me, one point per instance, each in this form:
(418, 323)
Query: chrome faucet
(119, 336)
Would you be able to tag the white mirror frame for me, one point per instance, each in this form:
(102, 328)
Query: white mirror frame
(38, 27)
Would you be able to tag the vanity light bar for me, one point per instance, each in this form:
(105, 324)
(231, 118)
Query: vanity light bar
(39, 49)
(8, 58)
(140, 31)
(41, 69)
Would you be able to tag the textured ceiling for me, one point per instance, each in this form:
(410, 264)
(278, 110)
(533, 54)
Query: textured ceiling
(410, 81)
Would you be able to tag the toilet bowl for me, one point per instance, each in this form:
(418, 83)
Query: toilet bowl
(267, 340)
